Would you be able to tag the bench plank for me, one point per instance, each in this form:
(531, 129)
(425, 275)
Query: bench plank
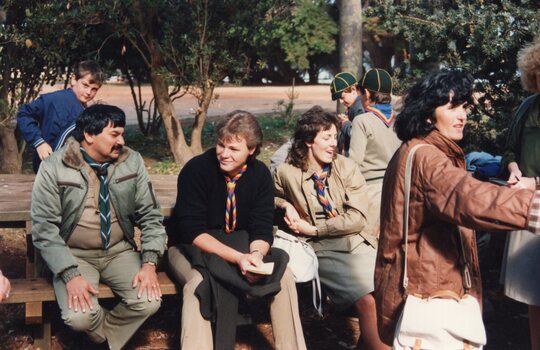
(39, 289)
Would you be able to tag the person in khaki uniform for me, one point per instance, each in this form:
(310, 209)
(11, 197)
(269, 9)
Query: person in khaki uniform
(323, 196)
(86, 200)
(373, 139)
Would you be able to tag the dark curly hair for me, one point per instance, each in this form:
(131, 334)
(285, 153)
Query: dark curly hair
(308, 126)
(96, 118)
(436, 89)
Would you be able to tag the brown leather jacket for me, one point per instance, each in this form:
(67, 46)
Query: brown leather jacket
(443, 197)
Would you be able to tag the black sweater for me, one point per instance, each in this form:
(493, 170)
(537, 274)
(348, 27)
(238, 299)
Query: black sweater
(201, 200)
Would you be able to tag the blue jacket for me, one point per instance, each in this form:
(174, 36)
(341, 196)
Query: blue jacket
(47, 118)
(344, 138)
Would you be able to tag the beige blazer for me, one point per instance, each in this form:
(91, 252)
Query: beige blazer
(347, 191)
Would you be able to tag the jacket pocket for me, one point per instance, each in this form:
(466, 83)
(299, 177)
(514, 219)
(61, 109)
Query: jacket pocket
(68, 184)
(125, 178)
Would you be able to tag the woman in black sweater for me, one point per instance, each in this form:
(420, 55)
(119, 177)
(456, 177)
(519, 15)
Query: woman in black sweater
(220, 228)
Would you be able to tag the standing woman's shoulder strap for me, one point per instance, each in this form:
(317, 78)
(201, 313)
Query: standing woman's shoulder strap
(407, 194)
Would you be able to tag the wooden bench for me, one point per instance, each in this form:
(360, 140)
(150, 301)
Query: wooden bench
(34, 290)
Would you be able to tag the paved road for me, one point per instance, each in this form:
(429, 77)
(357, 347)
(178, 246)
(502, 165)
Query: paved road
(256, 100)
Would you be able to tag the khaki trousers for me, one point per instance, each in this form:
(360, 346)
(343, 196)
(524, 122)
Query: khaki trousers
(196, 332)
(116, 268)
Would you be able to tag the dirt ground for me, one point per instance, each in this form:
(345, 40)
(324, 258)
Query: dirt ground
(506, 321)
(260, 99)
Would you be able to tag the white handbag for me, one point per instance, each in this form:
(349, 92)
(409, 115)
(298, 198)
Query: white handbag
(442, 320)
(302, 262)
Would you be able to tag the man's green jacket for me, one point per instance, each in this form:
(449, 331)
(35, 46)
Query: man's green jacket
(58, 199)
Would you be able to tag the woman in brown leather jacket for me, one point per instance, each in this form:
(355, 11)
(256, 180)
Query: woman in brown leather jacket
(445, 201)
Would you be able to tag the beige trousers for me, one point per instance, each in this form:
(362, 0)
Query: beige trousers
(196, 332)
(116, 268)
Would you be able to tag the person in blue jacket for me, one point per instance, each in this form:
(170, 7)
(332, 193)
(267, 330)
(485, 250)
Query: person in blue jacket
(47, 122)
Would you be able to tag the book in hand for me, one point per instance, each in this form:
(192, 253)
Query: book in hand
(262, 269)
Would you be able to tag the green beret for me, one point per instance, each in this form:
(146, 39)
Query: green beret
(342, 81)
(377, 80)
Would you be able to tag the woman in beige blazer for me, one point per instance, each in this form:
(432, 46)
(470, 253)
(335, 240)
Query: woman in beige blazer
(323, 197)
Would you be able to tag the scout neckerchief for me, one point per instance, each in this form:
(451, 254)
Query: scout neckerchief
(104, 202)
(321, 195)
(230, 210)
(383, 112)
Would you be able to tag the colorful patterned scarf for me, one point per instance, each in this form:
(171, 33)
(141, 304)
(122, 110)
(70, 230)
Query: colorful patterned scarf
(321, 195)
(230, 210)
(383, 112)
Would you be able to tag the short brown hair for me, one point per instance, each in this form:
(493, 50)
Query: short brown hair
(529, 63)
(241, 124)
(378, 97)
(83, 68)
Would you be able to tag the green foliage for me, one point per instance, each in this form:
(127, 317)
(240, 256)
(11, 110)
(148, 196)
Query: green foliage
(482, 37)
(309, 32)
(294, 36)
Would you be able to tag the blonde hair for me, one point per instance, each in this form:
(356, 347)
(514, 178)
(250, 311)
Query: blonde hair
(528, 61)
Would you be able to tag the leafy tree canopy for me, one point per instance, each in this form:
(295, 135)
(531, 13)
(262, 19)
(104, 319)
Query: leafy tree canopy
(482, 37)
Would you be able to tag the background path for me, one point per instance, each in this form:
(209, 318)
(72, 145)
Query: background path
(255, 99)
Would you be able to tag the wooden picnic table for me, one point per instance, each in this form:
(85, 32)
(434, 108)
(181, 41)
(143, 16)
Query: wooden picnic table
(16, 193)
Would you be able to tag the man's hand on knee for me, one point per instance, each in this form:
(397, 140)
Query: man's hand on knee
(78, 290)
(147, 280)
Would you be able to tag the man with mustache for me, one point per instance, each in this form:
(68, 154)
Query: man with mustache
(47, 122)
(87, 199)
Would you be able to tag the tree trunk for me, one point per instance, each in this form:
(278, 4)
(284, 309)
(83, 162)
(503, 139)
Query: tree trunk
(350, 36)
(175, 135)
(313, 73)
(10, 162)
(200, 117)
(350, 39)
(381, 51)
